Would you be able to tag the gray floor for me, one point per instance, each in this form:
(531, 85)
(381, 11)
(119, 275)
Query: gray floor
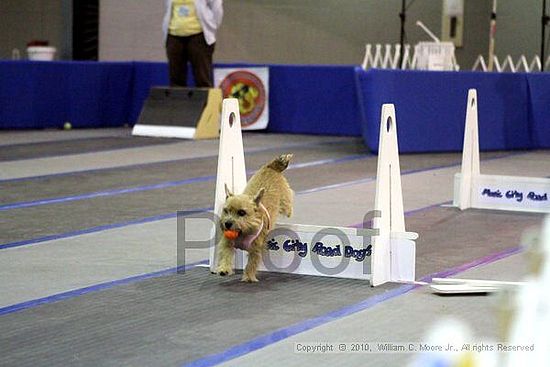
(21, 151)
(404, 319)
(88, 231)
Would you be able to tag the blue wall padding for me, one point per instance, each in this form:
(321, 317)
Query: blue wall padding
(305, 99)
(539, 109)
(431, 108)
(313, 100)
(145, 76)
(47, 94)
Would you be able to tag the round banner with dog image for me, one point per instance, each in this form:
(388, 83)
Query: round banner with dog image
(250, 87)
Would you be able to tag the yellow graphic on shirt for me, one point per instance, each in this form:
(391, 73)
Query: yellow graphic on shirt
(184, 21)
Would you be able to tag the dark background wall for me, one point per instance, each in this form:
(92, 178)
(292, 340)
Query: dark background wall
(24, 20)
(275, 31)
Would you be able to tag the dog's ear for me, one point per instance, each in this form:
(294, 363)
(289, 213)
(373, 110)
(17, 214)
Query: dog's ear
(228, 192)
(259, 196)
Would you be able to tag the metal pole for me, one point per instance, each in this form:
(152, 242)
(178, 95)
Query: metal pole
(66, 47)
(543, 35)
(402, 35)
(492, 32)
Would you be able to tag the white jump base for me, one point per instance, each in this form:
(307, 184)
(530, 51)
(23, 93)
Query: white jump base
(385, 253)
(161, 131)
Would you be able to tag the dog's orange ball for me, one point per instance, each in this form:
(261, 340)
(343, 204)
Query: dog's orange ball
(231, 235)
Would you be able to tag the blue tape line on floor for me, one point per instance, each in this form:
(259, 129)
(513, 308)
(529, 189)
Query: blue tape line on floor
(161, 185)
(183, 213)
(101, 228)
(171, 215)
(139, 165)
(118, 225)
(86, 231)
(284, 333)
(94, 288)
(281, 334)
(105, 193)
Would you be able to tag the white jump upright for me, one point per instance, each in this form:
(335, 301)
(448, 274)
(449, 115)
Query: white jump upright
(394, 249)
(231, 166)
(470, 152)
(342, 252)
(475, 190)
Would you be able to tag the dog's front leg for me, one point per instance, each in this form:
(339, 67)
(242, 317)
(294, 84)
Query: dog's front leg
(226, 254)
(254, 257)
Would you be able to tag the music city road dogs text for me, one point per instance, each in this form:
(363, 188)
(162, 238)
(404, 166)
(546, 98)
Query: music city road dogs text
(301, 248)
(515, 195)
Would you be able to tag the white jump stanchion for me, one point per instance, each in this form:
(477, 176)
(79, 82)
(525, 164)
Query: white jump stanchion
(231, 165)
(380, 254)
(474, 190)
(394, 249)
(470, 152)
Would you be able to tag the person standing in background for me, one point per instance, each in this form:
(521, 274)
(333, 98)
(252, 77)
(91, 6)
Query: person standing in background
(190, 28)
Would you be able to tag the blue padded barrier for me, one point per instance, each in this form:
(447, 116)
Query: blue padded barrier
(308, 99)
(313, 100)
(303, 99)
(145, 76)
(539, 108)
(36, 94)
(431, 107)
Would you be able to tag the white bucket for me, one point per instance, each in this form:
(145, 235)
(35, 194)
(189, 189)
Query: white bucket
(41, 53)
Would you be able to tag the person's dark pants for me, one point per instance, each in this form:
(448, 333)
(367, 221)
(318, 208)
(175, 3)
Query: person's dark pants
(193, 49)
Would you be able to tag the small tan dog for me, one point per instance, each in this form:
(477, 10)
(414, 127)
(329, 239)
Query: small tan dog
(247, 218)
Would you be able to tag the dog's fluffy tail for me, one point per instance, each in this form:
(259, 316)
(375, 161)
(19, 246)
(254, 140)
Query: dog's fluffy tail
(280, 163)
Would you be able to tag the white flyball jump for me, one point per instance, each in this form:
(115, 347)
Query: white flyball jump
(474, 190)
(342, 252)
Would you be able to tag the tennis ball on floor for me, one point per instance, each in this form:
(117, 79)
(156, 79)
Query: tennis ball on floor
(67, 126)
(230, 235)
